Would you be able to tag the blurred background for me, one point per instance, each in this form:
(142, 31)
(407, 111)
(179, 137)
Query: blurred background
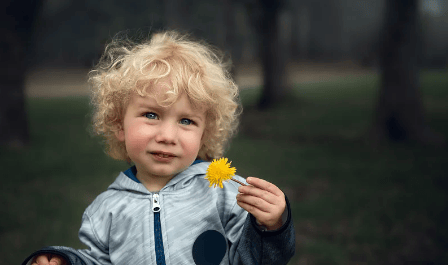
(345, 109)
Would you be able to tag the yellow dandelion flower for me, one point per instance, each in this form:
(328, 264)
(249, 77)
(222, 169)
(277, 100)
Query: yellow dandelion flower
(218, 171)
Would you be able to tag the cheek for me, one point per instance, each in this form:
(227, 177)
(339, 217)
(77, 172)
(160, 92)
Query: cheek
(193, 143)
(135, 140)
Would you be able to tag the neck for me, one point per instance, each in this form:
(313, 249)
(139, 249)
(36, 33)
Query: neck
(153, 184)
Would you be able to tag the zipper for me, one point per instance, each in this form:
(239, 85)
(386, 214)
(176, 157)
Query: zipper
(155, 203)
(160, 254)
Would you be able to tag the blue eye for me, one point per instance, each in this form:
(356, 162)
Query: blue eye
(151, 115)
(186, 122)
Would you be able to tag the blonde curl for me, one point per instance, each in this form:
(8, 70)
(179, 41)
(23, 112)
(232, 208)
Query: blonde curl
(194, 68)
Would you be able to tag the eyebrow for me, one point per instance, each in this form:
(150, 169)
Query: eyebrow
(193, 115)
(145, 105)
(141, 102)
(188, 114)
(198, 117)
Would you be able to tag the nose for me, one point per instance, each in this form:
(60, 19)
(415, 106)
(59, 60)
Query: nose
(167, 132)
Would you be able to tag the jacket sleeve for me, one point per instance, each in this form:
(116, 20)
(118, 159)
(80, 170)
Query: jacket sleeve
(96, 254)
(258, 246)
(72, 256)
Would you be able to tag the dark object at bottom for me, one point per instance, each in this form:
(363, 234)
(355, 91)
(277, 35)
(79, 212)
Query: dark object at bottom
(209, 248)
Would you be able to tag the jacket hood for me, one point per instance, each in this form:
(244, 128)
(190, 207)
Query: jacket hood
(180, 181)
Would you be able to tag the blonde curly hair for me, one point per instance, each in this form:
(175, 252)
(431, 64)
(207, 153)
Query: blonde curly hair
(193, 67)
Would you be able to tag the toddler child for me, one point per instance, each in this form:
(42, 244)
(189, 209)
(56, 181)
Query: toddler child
(169, 107)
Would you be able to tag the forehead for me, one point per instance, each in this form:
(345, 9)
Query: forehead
(160, 89)
(163, 94)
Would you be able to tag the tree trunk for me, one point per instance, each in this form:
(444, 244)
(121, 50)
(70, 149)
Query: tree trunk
(272, 55)
(16, 31)
(400, 114)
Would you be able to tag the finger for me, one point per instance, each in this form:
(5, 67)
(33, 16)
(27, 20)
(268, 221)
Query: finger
(56, 261)
(261, 217)
(257, 213)
(256, 192)
(42, 260)
(255, 202)
(264, 185)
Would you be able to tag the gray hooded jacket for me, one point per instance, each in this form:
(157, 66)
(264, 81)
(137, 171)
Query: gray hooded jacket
(186, 222)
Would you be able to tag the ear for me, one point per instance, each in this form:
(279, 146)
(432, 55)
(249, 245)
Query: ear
(120, 135)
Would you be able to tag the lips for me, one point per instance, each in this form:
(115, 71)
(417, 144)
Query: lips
(162, 156)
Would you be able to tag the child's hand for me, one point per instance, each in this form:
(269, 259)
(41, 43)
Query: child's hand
(264, 201)
(49, 259)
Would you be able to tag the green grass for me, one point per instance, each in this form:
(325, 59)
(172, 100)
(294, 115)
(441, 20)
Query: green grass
(352, 203)
(47, 186)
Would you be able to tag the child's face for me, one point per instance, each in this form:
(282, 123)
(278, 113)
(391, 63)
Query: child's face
(161, 141)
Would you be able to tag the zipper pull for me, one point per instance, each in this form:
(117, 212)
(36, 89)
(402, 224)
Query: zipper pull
(155, 203)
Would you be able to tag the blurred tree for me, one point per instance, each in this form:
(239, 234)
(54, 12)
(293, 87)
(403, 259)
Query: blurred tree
(435, 37)
(228, 25)
(400, 114)
(16, 31)
(362, 22)
(295, 45)
(177, 14)
(325, 30)
(92, 24)
(266, 17)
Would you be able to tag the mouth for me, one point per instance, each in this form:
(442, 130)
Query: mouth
(162, 154)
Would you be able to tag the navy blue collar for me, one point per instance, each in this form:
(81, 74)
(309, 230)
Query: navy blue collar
(132, 171)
